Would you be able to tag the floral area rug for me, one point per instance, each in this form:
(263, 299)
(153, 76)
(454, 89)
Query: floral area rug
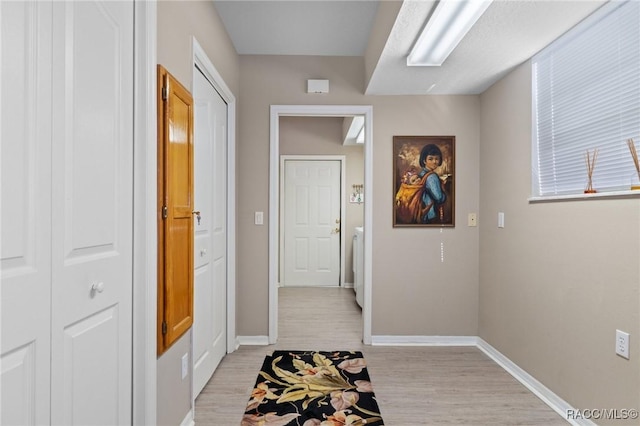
(296, 388)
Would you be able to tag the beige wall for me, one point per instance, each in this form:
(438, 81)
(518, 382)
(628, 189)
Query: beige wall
(561, 277)
(323, 136)
(178, 23)
(414, 293)
(174, 392)
(384, 21)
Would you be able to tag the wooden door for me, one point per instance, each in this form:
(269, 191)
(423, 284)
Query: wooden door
(25, 246)
(210, 278)
(176, 210)
(312, 223)
(92, 213)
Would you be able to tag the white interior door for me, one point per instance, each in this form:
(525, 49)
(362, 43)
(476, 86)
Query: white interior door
(311, 220)
(210, 282)
(25, 247)
(92, 179)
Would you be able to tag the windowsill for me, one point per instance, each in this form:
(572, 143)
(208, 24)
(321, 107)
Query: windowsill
(576, 197)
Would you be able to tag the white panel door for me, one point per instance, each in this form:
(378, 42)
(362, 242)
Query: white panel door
(92, 177)
(210, 282)
(312, 223)
(25, 246)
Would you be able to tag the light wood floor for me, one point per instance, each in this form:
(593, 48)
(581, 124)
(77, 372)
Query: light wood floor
(413, 385)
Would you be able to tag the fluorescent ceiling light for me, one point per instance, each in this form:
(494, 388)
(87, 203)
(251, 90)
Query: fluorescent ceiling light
(449, 23)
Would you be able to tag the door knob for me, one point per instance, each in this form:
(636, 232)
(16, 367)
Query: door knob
(336, 231)
(97, 287)
(197, 213)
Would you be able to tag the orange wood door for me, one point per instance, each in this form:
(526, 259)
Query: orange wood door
(176, 207)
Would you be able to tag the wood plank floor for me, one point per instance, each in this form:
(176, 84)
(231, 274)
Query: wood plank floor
(413, 385)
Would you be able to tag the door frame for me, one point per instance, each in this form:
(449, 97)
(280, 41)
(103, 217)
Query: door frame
(277, 111)
(342, 160)
(145, 189)
(202, 61)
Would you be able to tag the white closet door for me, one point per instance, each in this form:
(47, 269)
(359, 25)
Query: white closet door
(92, 212)
(210, 283)
(25, 247)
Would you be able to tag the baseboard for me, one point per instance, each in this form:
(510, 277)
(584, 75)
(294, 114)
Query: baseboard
(556, 403)
(347, 285)
(253, 340)
(545, 394)
(188, 420)
(424, 340)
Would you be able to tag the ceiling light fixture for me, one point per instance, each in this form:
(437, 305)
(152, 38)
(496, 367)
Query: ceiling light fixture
(448, 25)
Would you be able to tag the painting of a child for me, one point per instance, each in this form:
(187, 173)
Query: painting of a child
(424, 187)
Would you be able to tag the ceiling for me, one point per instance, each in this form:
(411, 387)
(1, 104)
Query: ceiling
(509, 33)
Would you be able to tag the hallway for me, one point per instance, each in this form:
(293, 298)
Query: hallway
(413, 385)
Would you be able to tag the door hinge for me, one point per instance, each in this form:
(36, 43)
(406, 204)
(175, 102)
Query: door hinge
(165, 212)
(164, 327)
(165, 93)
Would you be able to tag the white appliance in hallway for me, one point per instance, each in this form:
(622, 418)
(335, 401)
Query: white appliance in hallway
(358, 264)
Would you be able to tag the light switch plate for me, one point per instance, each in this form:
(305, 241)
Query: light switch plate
(472, 219)
(259, 218)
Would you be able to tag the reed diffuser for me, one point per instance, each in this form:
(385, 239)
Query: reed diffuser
(590, 160)
(634, 155)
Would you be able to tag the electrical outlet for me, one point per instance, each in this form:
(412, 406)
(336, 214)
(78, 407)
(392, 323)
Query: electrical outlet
(185, 365)
(622, 344)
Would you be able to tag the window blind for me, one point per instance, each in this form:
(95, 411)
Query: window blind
(586, 96)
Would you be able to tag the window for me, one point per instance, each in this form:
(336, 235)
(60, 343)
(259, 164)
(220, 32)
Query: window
(586, 96)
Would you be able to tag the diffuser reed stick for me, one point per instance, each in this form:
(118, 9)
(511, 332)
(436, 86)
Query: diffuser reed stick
(590, 160)
(634, 155)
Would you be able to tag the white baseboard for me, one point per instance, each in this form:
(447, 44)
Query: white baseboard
(188, 420)
(556, 403)
(253, 340)
(547, 396)
(347, 285)
(424, 340)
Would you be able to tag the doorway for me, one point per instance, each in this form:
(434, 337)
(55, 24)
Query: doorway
(278, 111)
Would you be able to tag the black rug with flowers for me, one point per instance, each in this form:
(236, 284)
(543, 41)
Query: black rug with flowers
(297, 388)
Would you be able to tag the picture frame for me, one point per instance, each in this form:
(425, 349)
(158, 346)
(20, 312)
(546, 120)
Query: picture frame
(423, 185)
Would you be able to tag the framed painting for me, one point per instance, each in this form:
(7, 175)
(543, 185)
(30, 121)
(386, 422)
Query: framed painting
(424, 181)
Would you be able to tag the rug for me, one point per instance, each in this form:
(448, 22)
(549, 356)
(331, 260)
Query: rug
(297, 388)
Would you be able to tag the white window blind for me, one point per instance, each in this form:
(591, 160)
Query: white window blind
(586, 96)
